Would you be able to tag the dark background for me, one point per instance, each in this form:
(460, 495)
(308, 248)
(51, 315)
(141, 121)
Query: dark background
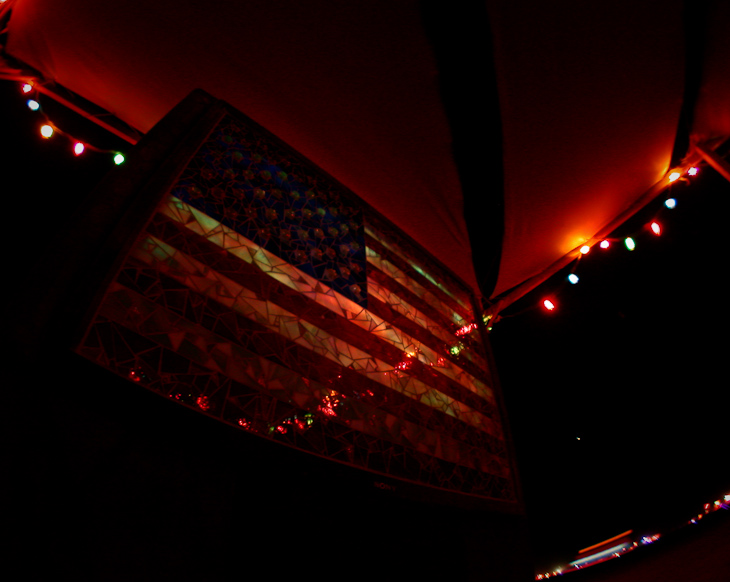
(632, 363)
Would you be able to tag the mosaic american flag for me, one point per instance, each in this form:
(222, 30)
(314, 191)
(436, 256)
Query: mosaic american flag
(265, 294)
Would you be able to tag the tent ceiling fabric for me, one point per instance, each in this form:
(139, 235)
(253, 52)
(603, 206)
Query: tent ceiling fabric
(589, 97)
(590, 103)
(711, 118)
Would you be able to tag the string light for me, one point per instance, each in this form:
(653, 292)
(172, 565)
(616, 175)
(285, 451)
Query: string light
(630, 243)
(654, 226)
(464, 330)
(47, 131)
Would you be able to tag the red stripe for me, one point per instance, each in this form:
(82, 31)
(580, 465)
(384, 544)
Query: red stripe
(266, 287)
